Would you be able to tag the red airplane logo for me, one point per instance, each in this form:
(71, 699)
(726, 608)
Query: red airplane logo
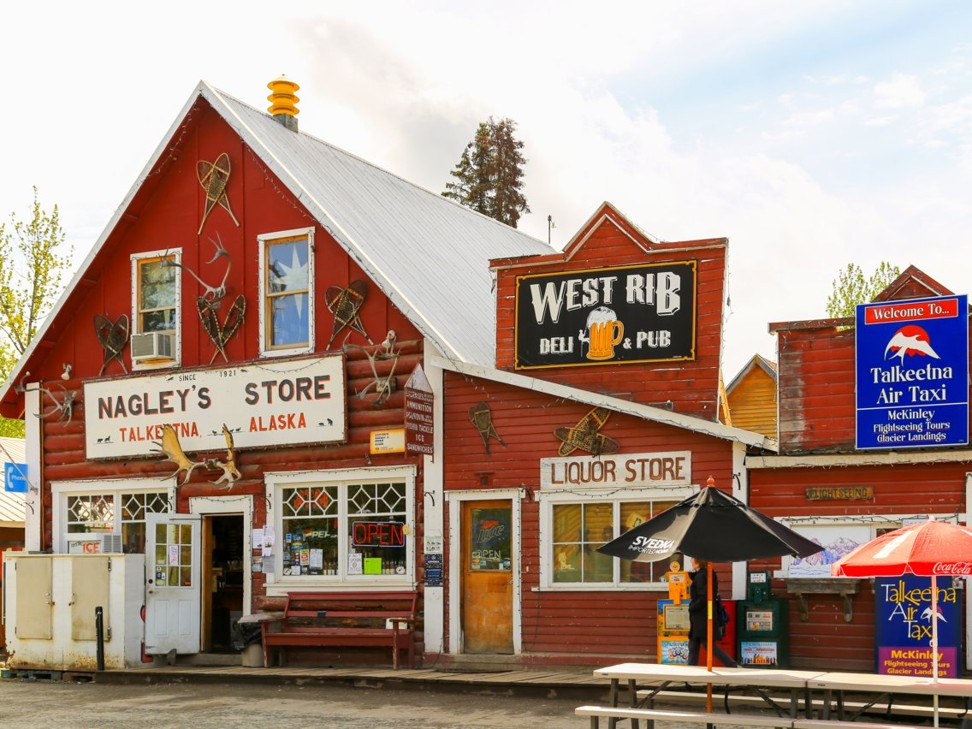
(911, 340)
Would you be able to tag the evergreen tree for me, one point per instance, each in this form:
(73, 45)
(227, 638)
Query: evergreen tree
(850, 288)
(489, 174)
(32, 266)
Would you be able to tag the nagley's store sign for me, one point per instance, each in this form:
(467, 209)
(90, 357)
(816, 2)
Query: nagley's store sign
(266, 404)
(622, 315)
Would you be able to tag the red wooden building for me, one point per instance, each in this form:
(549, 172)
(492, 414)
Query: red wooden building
(601, 411)
(821, 481)
(229, 363)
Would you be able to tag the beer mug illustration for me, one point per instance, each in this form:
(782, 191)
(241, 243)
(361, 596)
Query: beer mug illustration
(604, 333)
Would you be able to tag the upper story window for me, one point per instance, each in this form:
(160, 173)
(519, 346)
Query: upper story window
(286, 283)
(156, 293)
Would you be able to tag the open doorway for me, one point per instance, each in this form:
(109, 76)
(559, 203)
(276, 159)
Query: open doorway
(223, 545)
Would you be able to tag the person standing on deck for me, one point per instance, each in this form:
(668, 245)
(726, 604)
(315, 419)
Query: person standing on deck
(698, 614)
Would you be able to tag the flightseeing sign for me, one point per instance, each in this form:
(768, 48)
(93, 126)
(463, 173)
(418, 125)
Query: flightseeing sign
(912, 373)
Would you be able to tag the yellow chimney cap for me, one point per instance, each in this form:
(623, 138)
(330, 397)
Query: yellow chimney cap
(283, 100)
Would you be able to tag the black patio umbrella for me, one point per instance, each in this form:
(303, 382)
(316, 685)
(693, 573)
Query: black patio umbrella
(716, 527)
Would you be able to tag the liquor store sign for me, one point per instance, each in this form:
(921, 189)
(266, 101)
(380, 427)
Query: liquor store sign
(619, 315)
(672, 468)
(266, 404)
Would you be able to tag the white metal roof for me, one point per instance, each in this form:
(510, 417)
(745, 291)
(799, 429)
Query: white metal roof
(12, 505)
(428, 254)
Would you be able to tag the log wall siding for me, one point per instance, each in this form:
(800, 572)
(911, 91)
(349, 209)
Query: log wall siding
(576, 622)
(689, 387)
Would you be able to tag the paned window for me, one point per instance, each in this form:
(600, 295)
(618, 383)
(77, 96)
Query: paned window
(578, 528)
(347, 530)
(155, 309)
(114, 513)
(287, 310)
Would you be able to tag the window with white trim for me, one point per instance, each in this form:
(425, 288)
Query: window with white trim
(86, 509)
(155, 327)
(577, 524)
(286, 283)
(343, 526)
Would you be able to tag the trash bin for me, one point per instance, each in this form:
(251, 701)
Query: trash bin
(246, 634)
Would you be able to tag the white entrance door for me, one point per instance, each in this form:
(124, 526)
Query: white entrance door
(172, 590)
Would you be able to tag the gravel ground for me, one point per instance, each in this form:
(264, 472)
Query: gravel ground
(27, 704)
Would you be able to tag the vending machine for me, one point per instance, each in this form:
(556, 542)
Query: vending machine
(673, 618)
(762, 634)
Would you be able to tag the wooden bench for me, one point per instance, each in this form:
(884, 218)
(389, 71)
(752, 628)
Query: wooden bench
(836, 724)
(335, 619)
(690, 717)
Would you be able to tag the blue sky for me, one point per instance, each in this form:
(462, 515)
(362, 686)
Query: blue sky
(810, 134)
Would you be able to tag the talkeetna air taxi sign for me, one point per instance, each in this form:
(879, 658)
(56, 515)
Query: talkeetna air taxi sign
(912, 373)
(619, 315)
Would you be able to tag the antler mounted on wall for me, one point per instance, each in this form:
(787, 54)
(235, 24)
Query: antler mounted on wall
(230, 472)
(383, 386)
(210, 302)
(65, 406)
(172, 449)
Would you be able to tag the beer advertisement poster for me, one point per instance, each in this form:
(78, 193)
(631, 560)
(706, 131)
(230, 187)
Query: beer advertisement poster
(903, 626)
(912, 369)
(620, 315)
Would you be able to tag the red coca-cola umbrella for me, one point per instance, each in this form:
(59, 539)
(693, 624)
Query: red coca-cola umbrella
(927, 549)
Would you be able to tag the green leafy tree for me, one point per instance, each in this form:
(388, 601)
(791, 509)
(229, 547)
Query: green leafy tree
(851, 288)
(32, 265)
(489, 174)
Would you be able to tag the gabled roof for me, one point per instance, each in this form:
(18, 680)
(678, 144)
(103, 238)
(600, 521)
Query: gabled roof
(12, 505)
(757, 361)
(428, 254)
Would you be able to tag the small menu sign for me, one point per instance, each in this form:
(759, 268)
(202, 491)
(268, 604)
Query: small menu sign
(419, 421)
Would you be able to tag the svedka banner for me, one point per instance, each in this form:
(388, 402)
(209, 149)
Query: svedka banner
(620, 315)
(912, 373)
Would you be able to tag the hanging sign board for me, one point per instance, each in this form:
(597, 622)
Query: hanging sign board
(912, 373)
(622, 315)
(419, 411)
(903, 628)
(266, 404)
(15, 477)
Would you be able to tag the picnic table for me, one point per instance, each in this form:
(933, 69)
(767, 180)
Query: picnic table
(655, 677)
(878, 686)
(644, 681)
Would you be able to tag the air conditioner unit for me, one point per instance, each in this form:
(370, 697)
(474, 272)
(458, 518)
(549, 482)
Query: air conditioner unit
(94, 544)
(153, 345)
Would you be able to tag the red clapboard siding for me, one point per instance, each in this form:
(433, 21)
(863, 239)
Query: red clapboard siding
(689, 387)
(590, 623)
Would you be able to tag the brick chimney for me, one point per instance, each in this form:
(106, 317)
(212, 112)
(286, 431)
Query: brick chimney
(283, 101)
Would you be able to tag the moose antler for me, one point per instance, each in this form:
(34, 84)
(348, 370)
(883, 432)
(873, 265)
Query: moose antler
(210, 293)
(65, 406)
(171, 447)
(230, 472)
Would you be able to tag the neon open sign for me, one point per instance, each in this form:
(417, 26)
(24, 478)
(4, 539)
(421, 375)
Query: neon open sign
(378, 534)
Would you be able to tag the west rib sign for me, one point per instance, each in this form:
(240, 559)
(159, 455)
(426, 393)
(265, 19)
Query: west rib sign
(621, 315)
(912, 373)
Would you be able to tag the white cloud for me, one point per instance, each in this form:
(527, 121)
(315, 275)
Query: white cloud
(900, 91)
